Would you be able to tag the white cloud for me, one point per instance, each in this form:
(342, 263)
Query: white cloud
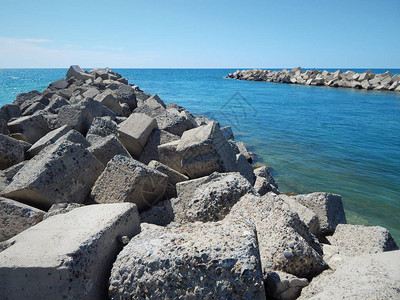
(35, 40)
(32, 53)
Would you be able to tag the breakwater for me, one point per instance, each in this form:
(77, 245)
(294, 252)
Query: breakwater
(349, 79)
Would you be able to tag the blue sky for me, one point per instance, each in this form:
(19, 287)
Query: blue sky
(200, 34)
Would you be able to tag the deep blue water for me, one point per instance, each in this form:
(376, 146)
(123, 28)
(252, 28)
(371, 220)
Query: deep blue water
(316, 138)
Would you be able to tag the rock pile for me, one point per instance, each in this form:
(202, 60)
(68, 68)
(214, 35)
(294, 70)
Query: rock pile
(348, 79)
(106, 191)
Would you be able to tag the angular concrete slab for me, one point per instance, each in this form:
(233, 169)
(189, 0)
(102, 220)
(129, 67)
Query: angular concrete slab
(67, 256)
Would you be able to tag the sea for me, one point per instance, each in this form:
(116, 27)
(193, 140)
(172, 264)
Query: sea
(335, 140)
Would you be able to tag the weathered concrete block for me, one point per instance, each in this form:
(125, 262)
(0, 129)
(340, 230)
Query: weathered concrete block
(227, 133)
(284, 240)
(58, 84)
(105, 148)
(16, 217)
(328, 207)
(168, 156)
(63, 172)
(210, 198)
(9, 111)
(243, 150)
(75, 116)
(172, 122)
(48, 139)
(265, 183)
(103, 126)
(78, 73)
(11, 152)
(32, 127)
(110, 101)
(134, 132)
(174, 177)
(156, 138)
(127, 180)
(190, 258)
(309, 217)
(204, 150)
(126, 94)
(67, 256)
(3, 127)
(354, 240)
(245, 169)
(370, 276)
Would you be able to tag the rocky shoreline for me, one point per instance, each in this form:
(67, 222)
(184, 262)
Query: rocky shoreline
(108, 192)
(348, 79)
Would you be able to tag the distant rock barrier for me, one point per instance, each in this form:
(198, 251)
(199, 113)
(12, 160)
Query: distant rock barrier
(108, 192)
(348, 79)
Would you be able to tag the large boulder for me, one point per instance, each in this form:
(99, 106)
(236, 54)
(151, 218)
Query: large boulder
(9, 111)
(209, 198)
(11, 152)
(172, 122)
(204, 150)
(68, 255)
(103, 126)
(284, 240)
(369, 276)
(309, 217)
(16, 217)
(156, 138)
(31, 127)
(48, 139)
(192, 261)
(105, 148)
(265, 183)
(78, 73)
(354, 240)
(135, 131)
(174, 177)
(328, 207)
(168, 156)
(76, 116)
(63, 172)
(3, 127)
(127, 180)
(245, 169)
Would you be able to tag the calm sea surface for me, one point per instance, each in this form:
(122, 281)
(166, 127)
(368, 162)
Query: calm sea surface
(341, 141)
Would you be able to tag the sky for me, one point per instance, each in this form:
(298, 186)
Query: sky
(200, 34)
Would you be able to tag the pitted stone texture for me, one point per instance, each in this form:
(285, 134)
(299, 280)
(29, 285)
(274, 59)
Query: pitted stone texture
(127, 180)
(63, 172)
(105, 148)
(103, 126)
(9, 111)
(156, 138)
(192, 261)
(76, 116)
(204, 150)
(16, 217)
(48, 139)
(284, 286)
(31, 127)
(210, 198)
(11, 152)
(284, 240)
(3, 127)
(354, 240)
(172, 122)
(67, 256)
(135, 131)
(369, 276)
(328, 207)
(264, 181)
(309, 217)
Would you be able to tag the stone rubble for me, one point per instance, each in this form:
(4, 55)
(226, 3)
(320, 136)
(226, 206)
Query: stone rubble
(80, 160)
(348, 79)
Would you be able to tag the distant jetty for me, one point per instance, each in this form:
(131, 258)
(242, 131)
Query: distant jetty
(348, 79)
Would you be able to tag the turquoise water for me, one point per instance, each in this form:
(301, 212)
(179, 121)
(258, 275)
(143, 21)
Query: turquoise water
(316, 138)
